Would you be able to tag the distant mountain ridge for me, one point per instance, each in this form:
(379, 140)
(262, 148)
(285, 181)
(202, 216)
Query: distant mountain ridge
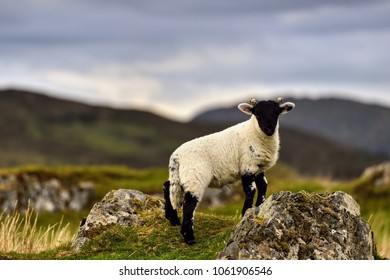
(362, 126)
(38, 129)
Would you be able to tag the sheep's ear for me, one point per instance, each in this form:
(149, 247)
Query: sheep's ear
(286, 107)
(246, 108)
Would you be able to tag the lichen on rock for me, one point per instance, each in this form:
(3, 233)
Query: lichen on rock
(302, 226)
(124, 207)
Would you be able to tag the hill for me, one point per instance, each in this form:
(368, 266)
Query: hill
(361, 126)
(38, 129)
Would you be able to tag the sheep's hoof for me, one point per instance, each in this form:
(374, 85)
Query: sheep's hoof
(175, 222)
(190, 242)
(188, 237)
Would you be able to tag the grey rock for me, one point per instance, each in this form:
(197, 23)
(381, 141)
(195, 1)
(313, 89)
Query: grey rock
(378, 174)
(302, 225)
(122, 207)
(43, 195)
(216, 197)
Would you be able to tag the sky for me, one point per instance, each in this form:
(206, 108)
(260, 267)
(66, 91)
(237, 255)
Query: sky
(180, 57)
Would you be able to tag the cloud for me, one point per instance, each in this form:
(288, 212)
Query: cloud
(339, 20)
(194, 53)
(113, 84)
(189, 60)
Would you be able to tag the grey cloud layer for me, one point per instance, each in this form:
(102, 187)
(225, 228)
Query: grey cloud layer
(272, 42)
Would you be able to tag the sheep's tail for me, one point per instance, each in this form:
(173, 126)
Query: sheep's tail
(176, 191)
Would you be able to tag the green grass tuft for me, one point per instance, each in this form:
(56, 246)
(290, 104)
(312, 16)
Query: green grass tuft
(155, 239)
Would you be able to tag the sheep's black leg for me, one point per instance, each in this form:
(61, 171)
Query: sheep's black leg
(261, 184)
(249, 191)
(187, 228)
(170, 213)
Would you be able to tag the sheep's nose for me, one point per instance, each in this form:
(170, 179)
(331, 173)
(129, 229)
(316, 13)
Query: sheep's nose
(269, 130)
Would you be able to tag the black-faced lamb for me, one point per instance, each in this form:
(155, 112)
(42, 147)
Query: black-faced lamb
(241, 152)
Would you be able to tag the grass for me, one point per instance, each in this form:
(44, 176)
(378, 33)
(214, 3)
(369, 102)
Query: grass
(156, 239)
(20, 233)
(381, 229)
(375, 208)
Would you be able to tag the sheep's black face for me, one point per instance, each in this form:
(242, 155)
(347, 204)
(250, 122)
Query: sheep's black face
(267, 114)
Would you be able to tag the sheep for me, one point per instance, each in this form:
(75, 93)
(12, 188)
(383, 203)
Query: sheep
(244, 151)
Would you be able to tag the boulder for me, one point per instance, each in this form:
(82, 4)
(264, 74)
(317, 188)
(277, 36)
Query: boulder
(378, 174)
(290, 226)
(122, 207)
(49, 194)
(217, 197)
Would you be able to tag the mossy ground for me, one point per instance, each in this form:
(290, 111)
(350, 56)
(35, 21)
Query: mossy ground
(156, 239)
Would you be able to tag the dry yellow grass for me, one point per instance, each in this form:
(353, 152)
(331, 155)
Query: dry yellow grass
(384, 248)
(20, 233)
(381, 230)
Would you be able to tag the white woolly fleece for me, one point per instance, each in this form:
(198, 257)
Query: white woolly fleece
(221, 158)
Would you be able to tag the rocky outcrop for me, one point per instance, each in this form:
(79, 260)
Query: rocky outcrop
(217, 197)
(302, 226)
(122, 207)
(378, 174)
(43, 195)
